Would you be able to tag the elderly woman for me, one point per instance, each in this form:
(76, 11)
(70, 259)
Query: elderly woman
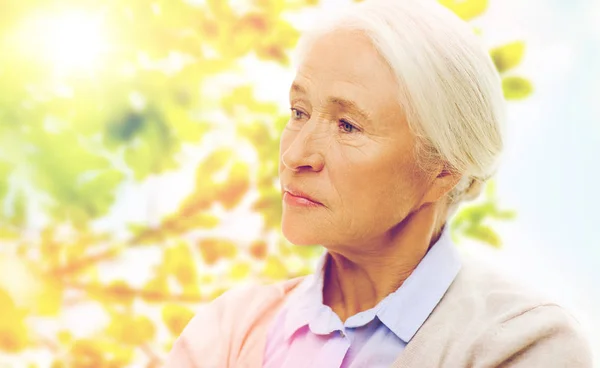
(396, 117)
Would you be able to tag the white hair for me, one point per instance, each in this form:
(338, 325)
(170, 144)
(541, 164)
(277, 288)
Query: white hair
(449, 88)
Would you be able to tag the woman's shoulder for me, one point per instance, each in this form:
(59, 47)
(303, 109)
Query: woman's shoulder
(488, 286)
(253, 296)
(481, 291)
(493, 318)
(243, 300)
(215, 331)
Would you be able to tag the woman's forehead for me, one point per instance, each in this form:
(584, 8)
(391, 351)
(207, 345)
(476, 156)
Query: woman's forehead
(344, 52)
(344, 59)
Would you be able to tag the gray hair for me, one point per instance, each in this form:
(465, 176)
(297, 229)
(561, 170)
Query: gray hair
(449, 87)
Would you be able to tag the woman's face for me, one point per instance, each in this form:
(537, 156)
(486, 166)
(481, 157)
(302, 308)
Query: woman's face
(348, 146)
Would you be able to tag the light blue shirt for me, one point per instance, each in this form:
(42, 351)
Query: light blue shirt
(307, 333)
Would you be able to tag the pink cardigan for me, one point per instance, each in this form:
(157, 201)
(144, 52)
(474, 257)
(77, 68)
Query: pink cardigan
(482, 321)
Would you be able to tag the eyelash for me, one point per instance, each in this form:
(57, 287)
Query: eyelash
(342, 121)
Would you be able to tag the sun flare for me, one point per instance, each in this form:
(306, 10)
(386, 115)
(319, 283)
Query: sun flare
(71, 40)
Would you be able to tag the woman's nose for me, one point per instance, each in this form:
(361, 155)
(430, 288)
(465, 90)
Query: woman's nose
(304, 152)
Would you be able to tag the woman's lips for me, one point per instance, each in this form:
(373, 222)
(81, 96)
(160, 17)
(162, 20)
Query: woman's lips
(299, 201)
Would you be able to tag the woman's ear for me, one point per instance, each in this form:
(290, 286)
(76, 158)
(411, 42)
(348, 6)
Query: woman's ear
(444, 180)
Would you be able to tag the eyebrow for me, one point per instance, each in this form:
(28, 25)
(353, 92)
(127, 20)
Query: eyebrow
(341, 102)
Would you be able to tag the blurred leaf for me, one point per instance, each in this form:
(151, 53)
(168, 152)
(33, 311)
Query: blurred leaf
(466, 9)
(258, 134)
(19, 210)
(49, 300)
(220, 9)
(505, 215)
(101, 352)
(65, 337)
(258, 249)
(484, 234)
(127, 128)
(4, 174)
(8, 234)
(179, 261)
(490, 189)
(214, 162)
(189, 217)
(516, 88)
(270, 206)
(152, 150)
(508, 56)
(274, 269)
(130, 329)
(473, 214)
(118, 292)
(240, 270)
(470, 219)
(236, 186)
(213, 250)
(176, 317)
(308, 251)
(242, 98)
(156, 288)
(13, 332)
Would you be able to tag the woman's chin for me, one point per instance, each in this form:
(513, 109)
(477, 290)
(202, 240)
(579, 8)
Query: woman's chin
(298, 235)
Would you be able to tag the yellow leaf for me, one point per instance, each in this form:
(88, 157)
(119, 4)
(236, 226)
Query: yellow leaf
(258, 249)
(490, 189)
(466, 9)
(272, 52)
(250, 29)
(206, 221)
(484, 234)
(236, 186)
(132, 330)
(176, 317)
(8, 234)
(65, 337)
(271, 7)
(100, 353)
(275, 269)
(28, 287)
(156, 289)
(179, 261)
(192, 290)
(118, 291)
(516, 88)
(213, 250)
(58, 364)
(220, 9)
(217, 292)
(214, 162)
(284, 35)
(240, 270)
(13, 332)
(507, 56)
(49, 299)
(270, 206)
(308, 251)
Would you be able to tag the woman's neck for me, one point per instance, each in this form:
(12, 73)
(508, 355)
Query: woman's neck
(358, 279)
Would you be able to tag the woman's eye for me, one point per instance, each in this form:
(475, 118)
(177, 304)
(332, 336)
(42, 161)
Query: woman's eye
(347, 127)
(296, 114)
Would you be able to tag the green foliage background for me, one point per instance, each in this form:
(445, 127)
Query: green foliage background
(71, 140)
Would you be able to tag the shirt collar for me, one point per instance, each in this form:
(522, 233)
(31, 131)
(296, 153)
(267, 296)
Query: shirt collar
(406, 309)
(403, 311)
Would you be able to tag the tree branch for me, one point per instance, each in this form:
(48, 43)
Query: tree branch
(128, 292)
